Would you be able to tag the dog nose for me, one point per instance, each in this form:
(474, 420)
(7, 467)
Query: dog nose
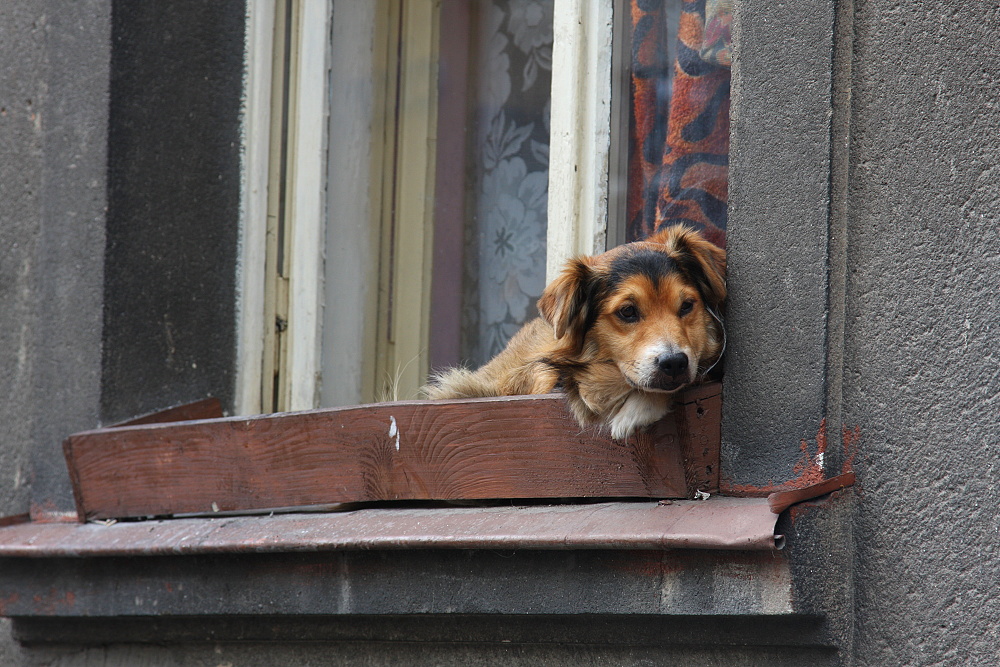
(673, 364)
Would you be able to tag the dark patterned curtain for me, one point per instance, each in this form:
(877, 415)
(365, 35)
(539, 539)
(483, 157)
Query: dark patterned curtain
(679, 134)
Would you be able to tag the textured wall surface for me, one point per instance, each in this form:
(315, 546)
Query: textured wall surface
(865, 274)
(53, 164)
(921, 356)
(779, 199)
(21, 47)
(21, 83)
(53, 90)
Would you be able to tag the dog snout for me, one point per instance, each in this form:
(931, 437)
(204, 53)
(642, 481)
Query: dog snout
(673, 364)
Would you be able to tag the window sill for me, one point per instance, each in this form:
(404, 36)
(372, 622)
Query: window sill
(716, 523)
(677, 559)
(641, 568)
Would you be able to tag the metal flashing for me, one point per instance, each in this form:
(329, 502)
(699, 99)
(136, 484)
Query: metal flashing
(716, 523)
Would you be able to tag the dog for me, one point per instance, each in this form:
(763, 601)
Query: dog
(620, 333)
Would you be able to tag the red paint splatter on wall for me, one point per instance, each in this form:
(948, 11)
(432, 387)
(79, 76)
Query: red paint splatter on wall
(810, 468)
(851, 437)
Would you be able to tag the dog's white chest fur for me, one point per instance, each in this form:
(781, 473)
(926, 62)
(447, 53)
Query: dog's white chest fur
(639, 409)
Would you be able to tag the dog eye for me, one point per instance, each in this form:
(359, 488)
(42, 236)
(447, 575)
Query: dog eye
(686, 308)
(628, 313)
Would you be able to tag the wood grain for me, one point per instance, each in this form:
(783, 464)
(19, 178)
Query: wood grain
(512, 447)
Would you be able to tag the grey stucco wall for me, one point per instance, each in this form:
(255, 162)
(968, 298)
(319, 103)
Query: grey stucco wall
(865, 255)
(921, 355)
(779, 197)
(21, 44)
(54, 128)
(53, 88)
(175, 110)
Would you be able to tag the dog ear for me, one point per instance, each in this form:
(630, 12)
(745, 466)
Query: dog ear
(701, 259)
(565, 303)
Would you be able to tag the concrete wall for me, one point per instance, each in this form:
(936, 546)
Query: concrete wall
(53, 122)
(54, 128)
(865, 274)
(921, 338)
(55, 81)
(176, 99)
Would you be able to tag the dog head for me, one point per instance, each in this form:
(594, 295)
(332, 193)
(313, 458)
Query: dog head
(651, 308)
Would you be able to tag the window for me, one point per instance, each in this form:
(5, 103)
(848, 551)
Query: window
(429, 245)
(422, 175)
(659, 572)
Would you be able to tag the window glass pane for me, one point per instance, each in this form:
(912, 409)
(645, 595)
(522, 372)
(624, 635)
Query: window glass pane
(509, 60)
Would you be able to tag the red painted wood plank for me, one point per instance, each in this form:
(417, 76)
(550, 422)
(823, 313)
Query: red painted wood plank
(512, 447)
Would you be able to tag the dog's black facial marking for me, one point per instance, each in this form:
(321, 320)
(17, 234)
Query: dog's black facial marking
(644, 262)
(597, 288)
(691, 269)
(594, 292)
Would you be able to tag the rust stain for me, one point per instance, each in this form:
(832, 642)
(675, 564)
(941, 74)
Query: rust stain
(796, 512)
(809, 470)
(5, 603)
(779, 501)
(799, 510)
(51, 602)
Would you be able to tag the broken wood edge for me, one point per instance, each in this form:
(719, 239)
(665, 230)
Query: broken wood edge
(206, 408)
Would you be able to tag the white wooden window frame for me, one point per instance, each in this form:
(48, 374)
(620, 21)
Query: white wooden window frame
(253, 207)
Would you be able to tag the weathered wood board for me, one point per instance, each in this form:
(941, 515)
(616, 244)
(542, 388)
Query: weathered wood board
(497, 448)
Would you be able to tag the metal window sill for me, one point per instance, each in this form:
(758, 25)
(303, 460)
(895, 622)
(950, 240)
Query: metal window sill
(715, 523)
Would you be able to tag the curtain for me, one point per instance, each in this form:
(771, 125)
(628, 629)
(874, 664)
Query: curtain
(679, 132)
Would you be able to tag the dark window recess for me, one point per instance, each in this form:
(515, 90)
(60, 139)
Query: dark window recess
(173, 204)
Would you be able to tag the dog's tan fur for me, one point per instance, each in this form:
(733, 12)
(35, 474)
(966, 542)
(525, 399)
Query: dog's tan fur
(610, 325)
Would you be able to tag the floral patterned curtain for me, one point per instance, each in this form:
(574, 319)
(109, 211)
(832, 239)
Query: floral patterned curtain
(505, 241)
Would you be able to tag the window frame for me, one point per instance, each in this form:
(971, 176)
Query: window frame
(581, 138)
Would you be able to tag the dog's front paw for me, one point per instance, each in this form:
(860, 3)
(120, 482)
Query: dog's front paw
(639, 409)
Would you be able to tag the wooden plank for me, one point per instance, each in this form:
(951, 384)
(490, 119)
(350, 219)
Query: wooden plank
(512, 447)
(698, 420)
(208, 408)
